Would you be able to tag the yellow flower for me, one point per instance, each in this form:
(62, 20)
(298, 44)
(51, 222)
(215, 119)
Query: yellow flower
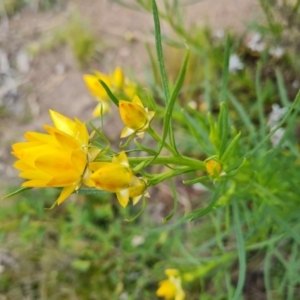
(97, 90)
(171, 288)
(117, 177)
(213, 168)
(114, 177)
(135, 116)
(57, 159)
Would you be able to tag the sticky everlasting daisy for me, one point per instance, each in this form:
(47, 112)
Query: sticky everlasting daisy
(58, 158)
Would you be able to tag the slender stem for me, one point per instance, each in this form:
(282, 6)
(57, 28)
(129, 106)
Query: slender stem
(167, 160)
(154, 134)
(157, 178)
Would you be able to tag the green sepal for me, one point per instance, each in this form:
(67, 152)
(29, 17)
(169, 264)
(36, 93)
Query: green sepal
(231, 147)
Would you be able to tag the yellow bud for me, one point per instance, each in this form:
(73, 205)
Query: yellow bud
(213, 168)
(135, 116)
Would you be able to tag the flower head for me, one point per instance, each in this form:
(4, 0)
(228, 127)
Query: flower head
(117, 177)
(213, 168)
(171, 288)
(58, 158)
(116, 82)
(114, 177)
(135, 116)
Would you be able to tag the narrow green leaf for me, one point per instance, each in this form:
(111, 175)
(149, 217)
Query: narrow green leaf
(223, 128)
(175, 197)
(144, 148)
(139, 213)
(198, 130)
(21, 190)
(159, 51)
(284, 225)
(260, 102)
(171, 103)
(241, 251)
(243, 115)
(109, 93)
(230, 147)
(196, 180)
(201, 212)
(282, 90)
(225, 71)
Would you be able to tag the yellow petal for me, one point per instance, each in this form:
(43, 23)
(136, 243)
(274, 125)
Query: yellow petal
(118, 78)
(35, 183)
(112, 177)
(166, 289)
(126, 132)
(95, 87)
(123, 197)
(55, 164)
(121, 159)
(94, 166)
(62, 123)
(79, 160)
(40, 137)
(133, 115)
(65, 193)
(93, 153)
(64, 179)
(34, 174)
(137, 100)
(66, 141)
(23, 166)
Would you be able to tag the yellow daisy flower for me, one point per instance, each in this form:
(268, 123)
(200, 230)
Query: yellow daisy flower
(58, 158)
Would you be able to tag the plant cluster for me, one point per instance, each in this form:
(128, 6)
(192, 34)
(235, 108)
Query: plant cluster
(242, 151)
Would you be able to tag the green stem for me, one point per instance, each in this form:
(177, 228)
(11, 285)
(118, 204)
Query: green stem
(153, 133)
(157, 178)
(192, 163)
(168, 160)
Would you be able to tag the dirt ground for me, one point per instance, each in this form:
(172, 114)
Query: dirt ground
(29, 87)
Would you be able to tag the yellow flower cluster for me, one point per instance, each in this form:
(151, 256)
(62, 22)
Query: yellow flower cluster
(56, 159)
(171, 288)
(63, 157)
(116, 82)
